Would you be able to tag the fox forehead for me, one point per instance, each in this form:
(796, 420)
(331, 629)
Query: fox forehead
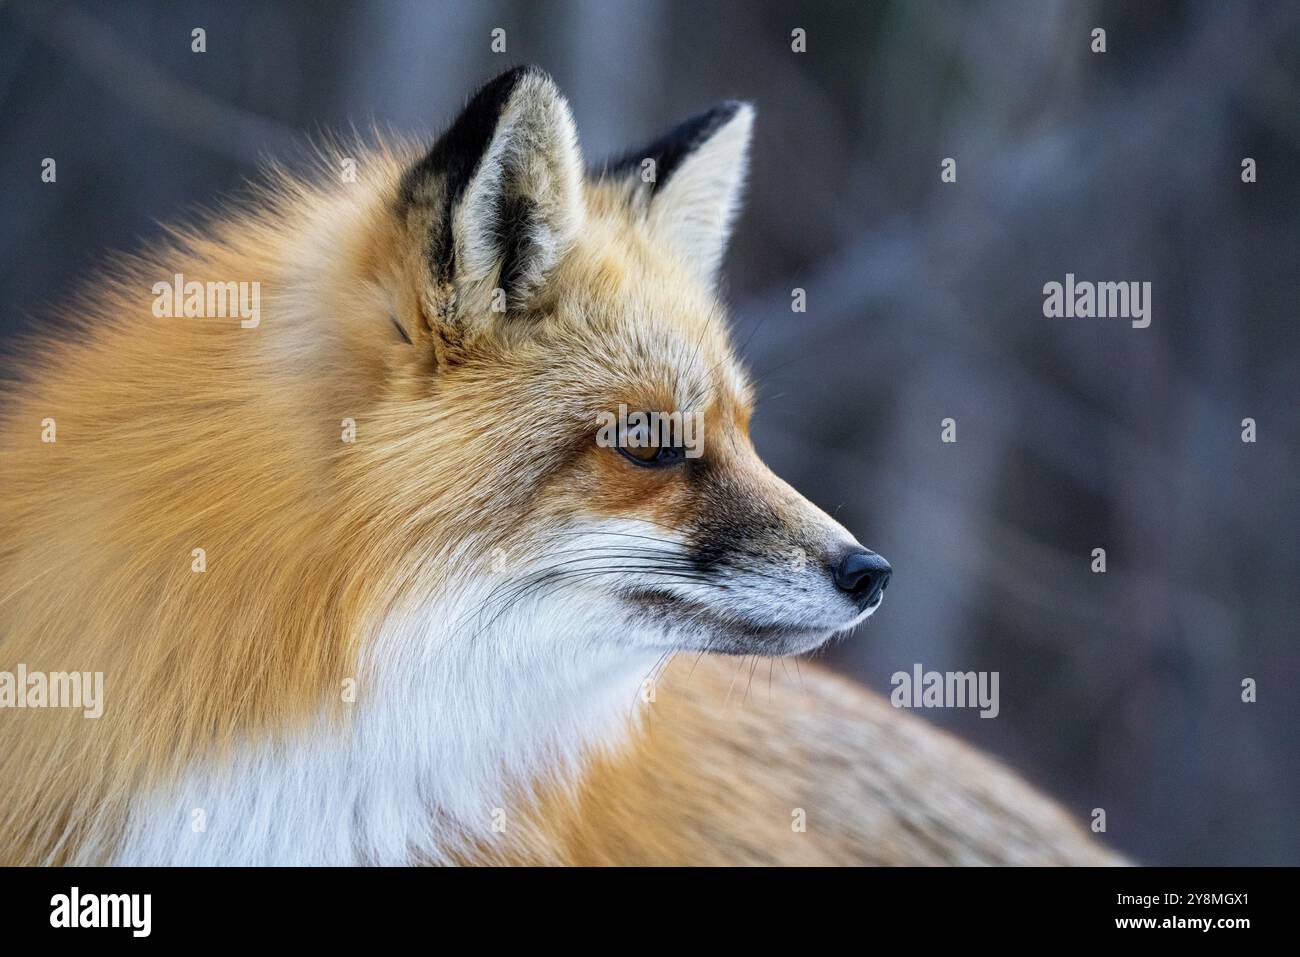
(636, 307)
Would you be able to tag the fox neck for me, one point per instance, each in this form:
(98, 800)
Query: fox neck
(452, 733)
(482, 708)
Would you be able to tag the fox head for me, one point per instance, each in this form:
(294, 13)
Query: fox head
(562, 400)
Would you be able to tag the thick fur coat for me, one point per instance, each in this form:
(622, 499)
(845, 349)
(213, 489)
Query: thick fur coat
(365, 589)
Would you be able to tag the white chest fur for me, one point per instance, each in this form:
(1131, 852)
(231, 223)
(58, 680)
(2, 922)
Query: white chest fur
(445, 728)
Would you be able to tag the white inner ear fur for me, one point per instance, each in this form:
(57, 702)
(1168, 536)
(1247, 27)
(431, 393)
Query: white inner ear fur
(697, 206)
(533, 156)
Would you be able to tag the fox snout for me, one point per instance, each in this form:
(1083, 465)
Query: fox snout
(770, 572)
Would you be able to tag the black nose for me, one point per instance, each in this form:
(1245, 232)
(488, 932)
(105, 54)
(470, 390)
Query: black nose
(864, 575)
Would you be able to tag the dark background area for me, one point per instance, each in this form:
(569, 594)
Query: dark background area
(1120, 691)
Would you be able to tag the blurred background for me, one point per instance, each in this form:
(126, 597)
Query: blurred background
(1120, 690)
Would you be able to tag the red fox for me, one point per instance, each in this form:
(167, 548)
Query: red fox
(318, 489)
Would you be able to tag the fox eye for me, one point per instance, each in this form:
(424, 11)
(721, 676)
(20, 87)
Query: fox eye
(640, 446)
(653, 457)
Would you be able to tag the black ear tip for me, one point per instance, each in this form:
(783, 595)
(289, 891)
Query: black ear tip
(503, 83)
(727, 109)
(491, 97)
(717, 116)
(700, 127)
(677, 144)
(498, 89)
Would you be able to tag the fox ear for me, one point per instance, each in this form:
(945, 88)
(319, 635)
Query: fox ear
(688, 183)
(498, 199)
